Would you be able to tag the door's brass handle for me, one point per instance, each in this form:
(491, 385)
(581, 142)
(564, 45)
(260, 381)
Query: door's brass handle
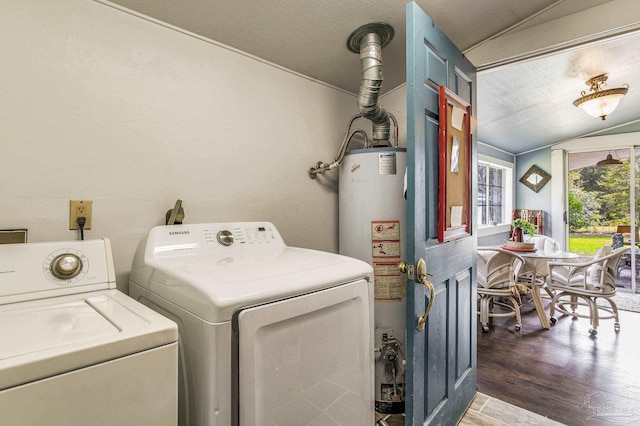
(421, 277)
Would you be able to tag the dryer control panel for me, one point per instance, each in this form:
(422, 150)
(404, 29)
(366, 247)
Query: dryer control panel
(252, 234)
(221, 238)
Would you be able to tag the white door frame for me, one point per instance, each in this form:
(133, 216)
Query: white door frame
(559, 196)
(560, 185)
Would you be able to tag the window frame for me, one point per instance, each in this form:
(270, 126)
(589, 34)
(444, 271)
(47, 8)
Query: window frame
(507, 193)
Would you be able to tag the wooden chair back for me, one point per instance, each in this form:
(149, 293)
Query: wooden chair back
(625, 230)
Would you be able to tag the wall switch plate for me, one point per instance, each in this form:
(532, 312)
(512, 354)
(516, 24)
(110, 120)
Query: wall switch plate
(80, 208)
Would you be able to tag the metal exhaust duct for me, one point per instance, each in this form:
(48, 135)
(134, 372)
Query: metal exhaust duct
(368, 40)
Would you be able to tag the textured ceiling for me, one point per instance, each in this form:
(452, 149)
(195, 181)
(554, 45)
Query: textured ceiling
(520, 106)
(310, 36)
(530, 104)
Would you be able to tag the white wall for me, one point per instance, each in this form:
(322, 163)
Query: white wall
(395, 101)
(527, 198)
(100, 104)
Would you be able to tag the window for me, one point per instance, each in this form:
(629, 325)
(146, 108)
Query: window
(495, 190)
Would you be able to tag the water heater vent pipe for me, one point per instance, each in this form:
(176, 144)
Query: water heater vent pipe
(369, 40)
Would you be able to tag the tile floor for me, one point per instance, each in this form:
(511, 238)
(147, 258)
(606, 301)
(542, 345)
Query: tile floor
(485, 411)
(488, 411)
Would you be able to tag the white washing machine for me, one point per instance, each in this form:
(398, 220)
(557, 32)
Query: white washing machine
(269, 334)
(73, 349)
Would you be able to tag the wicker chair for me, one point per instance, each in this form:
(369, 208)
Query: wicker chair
(544, 243)
(582, 284)
(497, 277)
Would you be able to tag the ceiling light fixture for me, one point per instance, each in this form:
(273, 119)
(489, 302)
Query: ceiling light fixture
(601, 102)
(609, 161)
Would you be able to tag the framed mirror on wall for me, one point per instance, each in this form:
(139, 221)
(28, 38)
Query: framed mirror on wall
(535, 178)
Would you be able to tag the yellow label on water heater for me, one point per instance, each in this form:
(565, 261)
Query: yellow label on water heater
(385, 230)
(385, 250)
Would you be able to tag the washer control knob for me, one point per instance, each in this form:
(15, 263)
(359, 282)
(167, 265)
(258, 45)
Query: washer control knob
(225, 238)
(66, 266)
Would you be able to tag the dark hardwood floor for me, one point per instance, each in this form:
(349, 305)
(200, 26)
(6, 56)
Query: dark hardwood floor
(564, 373)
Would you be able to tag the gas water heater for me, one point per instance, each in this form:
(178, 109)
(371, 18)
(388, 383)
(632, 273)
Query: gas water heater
(372, 212)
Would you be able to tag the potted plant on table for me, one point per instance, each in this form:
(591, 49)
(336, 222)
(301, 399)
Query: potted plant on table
(520, 227)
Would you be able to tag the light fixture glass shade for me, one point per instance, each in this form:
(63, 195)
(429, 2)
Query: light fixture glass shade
(601, 106)
(600, 103)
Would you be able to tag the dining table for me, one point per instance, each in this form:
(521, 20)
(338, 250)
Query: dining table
(536, 262)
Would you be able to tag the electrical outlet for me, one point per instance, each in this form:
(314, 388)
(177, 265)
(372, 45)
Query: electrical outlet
(80, 208)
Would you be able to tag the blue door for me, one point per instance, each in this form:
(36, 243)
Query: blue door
(441, 359)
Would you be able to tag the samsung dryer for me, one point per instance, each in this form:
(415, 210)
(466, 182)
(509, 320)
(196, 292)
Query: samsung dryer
(269, 334)
(73, 349)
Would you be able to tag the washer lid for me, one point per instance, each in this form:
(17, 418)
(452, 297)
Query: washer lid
(52, 336)
(53, 326)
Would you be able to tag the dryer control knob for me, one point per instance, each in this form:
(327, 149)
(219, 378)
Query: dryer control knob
(66, 266)
(225, 238)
